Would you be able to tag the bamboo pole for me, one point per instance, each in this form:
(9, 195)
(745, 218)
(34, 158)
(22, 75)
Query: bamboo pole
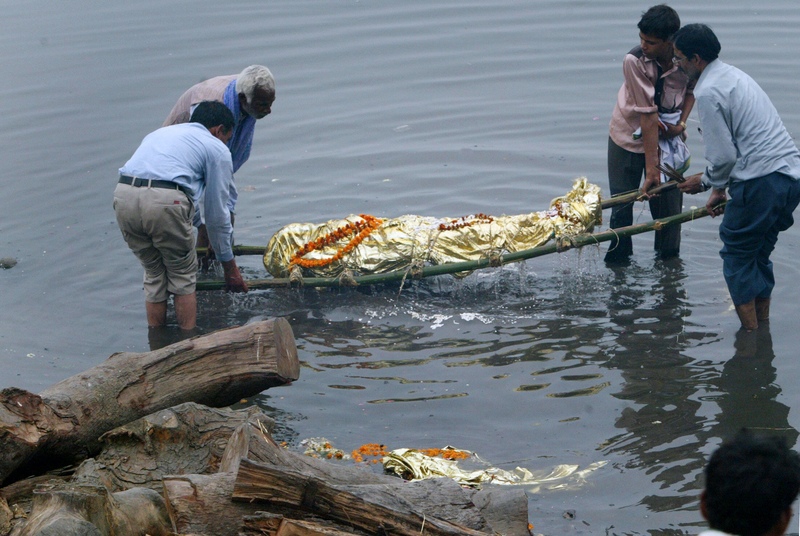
(577, 241)
(239, 250)
(636, 195)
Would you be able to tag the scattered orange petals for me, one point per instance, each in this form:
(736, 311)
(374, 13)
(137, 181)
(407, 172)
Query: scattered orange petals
(447, 454)
(377, 451)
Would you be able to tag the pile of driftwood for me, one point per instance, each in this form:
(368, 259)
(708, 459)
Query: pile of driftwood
(159, 453)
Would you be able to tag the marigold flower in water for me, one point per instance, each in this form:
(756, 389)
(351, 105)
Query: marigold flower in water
(369, 449)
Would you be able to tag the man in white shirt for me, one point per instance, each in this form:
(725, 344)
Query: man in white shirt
(751, 483)
(749, 153)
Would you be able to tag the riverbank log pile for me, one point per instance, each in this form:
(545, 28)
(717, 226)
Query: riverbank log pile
(191, 469)
(62, 424)
(190, 479)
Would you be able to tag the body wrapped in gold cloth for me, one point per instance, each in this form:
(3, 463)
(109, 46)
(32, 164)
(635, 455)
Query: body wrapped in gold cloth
(404, 242)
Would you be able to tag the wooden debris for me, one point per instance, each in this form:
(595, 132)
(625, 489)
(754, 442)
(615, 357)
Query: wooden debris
(295, 527)
(6, 516)
(194, 470)
(78, 510)
(184, 440)
(201, 504)
(266, 524)
(64, 423)
(382, 512)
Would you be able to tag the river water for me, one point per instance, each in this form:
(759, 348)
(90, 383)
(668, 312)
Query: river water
(436, 108)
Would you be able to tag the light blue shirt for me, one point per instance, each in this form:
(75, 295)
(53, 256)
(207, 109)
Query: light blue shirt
(742, 131)
(189, 155)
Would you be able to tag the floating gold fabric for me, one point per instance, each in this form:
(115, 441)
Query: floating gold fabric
(414, 465)
(408, 241)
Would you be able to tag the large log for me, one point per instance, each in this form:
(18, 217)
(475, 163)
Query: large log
(255, 443)
(62, 424)
(382, 513)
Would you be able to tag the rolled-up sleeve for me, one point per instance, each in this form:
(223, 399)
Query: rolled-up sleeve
(639, 85)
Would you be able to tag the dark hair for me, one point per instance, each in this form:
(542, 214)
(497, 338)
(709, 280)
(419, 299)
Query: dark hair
(660, 21)
(750, 482)
(697, 39)
(212, 113)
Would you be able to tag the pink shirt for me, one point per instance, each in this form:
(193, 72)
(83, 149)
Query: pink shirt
(212, 89)
(637, 96)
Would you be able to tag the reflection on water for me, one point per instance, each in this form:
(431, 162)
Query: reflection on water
(603, 356)
(159, 337)
(683, 407)
(745, 389)
(663, 423)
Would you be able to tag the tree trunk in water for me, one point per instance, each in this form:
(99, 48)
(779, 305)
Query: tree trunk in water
(63, 423)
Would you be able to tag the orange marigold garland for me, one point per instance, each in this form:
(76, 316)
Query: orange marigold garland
(361, 230)
(465, 221)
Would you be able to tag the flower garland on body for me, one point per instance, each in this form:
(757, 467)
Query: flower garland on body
(561, 209)
(465, 221)
(361, 230)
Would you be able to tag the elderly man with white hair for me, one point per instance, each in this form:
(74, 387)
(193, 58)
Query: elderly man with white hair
(249, 96)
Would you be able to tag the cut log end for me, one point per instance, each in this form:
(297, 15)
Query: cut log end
(288, 365)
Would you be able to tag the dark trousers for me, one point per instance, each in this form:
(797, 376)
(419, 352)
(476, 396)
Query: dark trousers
(758, 209)
(625, 171)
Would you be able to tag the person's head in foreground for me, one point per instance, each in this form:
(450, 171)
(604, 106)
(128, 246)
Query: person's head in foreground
(751, 483)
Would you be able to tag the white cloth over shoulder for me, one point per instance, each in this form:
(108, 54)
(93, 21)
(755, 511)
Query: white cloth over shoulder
(674, 151)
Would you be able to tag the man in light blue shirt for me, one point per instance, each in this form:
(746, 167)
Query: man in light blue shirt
(155, 200)
(750, 153)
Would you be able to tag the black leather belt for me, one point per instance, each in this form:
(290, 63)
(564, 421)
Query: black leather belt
(153, 183)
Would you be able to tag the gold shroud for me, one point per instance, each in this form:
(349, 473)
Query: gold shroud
(408, 241)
